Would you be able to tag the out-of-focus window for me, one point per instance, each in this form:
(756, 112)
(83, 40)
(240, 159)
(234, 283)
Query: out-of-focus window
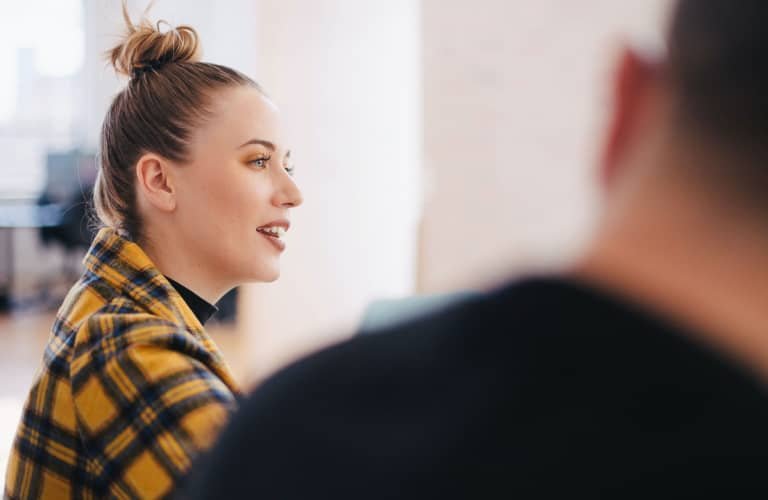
(41, 54)
(44, 173)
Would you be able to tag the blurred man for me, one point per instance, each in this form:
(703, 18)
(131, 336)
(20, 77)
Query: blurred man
(640, 373)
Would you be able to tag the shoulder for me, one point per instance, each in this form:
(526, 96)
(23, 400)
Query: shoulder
(402, 391)
(121, 331)
(546, 332)
(536, 365)
(121, 322)
(441, 353)
(412, 346)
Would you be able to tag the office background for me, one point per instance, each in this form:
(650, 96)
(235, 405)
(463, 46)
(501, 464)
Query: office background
(442, 146)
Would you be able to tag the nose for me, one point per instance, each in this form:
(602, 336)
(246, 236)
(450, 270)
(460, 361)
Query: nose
(287, 194)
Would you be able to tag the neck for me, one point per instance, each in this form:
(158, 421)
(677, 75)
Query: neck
(694, 263)
(179, 262)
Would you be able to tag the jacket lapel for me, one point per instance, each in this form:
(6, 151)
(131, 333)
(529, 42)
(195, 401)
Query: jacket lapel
(126, 267)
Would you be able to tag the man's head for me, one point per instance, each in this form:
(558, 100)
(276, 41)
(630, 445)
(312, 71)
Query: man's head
(697, 115)
(685, 166)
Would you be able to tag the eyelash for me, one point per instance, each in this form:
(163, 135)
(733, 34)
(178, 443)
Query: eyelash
(264, 160)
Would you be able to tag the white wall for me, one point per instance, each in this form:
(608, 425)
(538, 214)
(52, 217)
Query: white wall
(346, 74)
(514, 94)
(227, 31)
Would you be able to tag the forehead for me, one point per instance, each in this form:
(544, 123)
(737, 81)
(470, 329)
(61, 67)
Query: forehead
(238, 115)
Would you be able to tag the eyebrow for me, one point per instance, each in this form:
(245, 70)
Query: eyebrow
(264, 143)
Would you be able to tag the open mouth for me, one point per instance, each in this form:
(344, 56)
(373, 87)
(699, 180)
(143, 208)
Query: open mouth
(272, 231)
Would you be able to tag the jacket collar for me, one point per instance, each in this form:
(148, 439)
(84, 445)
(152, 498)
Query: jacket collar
(124, 266)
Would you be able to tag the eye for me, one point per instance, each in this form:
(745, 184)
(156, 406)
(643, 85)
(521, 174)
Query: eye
(260, 162)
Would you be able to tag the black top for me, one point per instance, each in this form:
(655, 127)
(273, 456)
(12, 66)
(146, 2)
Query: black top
(544, 389)
(199, 306)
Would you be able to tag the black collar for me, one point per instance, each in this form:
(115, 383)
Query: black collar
(200, 308)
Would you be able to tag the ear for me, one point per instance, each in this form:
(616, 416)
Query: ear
(632, 80)
(155, 182)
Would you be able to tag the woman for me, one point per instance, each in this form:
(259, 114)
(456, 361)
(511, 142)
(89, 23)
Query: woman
(194, 193)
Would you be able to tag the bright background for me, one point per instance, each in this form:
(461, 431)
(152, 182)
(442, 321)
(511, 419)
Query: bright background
(442, 145)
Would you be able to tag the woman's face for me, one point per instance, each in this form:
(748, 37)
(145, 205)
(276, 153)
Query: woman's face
(234, 198)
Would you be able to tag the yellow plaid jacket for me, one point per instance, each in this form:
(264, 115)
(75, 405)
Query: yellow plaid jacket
(130, 390)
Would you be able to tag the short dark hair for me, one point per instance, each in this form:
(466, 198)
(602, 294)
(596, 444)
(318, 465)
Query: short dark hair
(718, 64)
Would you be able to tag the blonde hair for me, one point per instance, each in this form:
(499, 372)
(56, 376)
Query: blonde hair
(168, 95)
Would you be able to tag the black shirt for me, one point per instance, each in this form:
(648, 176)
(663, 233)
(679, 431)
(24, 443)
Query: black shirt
(544, 389)
(199, 306)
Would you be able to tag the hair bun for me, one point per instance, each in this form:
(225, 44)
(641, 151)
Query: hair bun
(146, 47)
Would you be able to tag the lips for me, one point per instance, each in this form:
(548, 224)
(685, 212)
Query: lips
(274, 232)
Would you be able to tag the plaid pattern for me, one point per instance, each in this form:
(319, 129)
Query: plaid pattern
(131, 388)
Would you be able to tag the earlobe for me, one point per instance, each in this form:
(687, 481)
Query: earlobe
(154, 182)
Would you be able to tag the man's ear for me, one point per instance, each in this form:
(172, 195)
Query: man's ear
(632, 81)
(154, 182)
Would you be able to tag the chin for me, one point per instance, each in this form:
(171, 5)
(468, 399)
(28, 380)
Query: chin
(272, 278)
(267, 275)
(263, 272)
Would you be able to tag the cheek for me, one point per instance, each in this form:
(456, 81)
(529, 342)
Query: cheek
(233, 201)
(223, 216)
(245, 197)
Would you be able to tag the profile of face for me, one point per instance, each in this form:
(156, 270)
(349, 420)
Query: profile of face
(230, 203)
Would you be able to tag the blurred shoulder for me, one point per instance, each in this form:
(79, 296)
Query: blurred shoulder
(488, 332)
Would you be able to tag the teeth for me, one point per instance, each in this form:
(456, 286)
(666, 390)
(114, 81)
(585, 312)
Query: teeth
(274, 231)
